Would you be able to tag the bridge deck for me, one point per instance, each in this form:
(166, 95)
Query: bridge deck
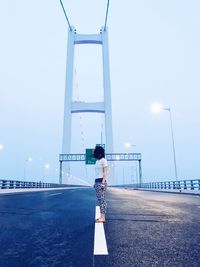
(56, 228)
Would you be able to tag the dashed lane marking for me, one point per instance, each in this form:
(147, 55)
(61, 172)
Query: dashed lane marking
(50, 195)
(100, 245)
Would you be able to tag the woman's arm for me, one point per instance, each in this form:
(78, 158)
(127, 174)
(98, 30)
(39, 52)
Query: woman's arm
(105, 172)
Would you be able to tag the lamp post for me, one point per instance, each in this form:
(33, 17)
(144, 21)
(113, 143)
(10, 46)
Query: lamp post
(128, 145)
(46, 167)
(25, 162)
(158, 108)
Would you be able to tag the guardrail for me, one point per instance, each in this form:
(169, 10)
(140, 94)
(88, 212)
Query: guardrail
(12, 184)
(182, 184)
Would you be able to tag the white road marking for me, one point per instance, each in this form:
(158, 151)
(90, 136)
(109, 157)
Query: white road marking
(100, 245)
(50, 195)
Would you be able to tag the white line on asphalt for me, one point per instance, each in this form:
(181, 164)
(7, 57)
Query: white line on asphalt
(50, 195)
(100, 246)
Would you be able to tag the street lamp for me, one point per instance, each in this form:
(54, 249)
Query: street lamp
(128, 145)
(25, 162)
(157, 108)
(46, 167)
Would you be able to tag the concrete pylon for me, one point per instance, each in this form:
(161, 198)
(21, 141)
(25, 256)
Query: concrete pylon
(71, 107)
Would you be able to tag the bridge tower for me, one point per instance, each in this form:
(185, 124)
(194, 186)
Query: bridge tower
(70, 106)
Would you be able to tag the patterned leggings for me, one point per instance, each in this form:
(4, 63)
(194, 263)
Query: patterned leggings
(100, 192)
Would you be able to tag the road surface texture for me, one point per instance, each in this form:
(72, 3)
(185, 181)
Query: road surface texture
(56, 229)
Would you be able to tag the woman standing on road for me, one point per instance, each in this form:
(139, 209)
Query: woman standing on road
(101, 170)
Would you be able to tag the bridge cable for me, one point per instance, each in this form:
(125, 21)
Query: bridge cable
(77, 98)
(106, 15)
(66, 15)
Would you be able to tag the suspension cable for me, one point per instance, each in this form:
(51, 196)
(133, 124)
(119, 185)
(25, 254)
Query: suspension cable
(77, 98)
(65, 15)
(106, 14)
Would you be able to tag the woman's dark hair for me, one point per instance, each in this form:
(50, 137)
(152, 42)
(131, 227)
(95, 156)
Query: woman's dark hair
(99, 152)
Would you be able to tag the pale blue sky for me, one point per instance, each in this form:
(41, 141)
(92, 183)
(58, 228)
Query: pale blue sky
(154, 57)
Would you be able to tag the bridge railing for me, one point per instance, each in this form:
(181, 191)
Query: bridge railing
(14, 184)
(193, 184)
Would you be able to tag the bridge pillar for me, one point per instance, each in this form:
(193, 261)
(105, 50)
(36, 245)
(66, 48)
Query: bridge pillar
(67, 123)
(71, 107)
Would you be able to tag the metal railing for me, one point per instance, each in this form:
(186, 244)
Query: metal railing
(14, 184)
(182, 184)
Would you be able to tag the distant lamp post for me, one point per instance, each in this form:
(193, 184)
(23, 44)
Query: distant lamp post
(55, 175)
(128, 145)
(158, 108)
(46, 167)
(25, 162)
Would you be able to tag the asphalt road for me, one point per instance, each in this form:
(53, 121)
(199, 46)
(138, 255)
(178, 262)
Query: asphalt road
(146, 229)
(53, 228)
(56, 229)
